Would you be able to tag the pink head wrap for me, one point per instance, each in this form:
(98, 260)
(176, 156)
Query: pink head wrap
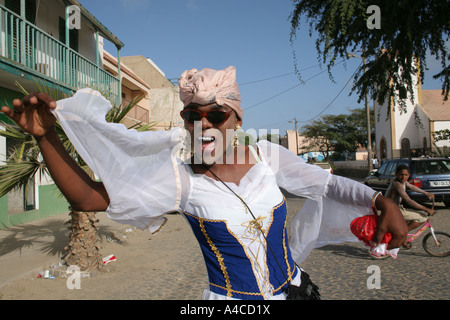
(211, 86)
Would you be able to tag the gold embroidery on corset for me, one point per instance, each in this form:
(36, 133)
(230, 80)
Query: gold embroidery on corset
(219, 258)
(286, 249)
(254, 232)
(252, 227)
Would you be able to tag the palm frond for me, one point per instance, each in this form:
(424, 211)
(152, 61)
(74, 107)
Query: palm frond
(12, 131)
(15, 175)
(53, 91)
(141, 126)
(117, 114)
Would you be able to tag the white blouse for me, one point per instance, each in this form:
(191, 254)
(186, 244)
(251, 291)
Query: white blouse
(145, 179)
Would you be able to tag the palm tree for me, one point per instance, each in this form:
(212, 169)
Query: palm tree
(25, 162)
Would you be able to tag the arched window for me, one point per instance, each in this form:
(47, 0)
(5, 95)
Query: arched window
(425, 146)
(383, 150)
(405, 152)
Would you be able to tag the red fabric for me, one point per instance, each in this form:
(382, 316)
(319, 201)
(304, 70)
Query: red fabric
(364, 229)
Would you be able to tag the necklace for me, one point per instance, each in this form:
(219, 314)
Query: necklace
(255, 221)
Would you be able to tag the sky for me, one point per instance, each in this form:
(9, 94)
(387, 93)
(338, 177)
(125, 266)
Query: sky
(253, 36)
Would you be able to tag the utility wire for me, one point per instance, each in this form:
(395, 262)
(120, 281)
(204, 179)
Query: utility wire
(297, 85)
(274, 77)
(329, 105)
(279, 94)
(279, 76)
(339, 93)
(375, 63)
(175, 80)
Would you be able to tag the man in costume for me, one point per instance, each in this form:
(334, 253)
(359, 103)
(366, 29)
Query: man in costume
(232, 201)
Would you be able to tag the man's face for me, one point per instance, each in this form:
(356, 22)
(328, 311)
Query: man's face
(213, 138)
(402, 175)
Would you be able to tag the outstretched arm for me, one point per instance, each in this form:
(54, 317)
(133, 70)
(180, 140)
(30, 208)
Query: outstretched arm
(33, 114)
(390, 220)
(410, 202)
(352, 197)
(430, 196)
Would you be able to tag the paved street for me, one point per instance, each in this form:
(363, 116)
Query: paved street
(170, 266)
(341, 271)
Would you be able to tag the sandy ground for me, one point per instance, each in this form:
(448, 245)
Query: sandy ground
(170, 266)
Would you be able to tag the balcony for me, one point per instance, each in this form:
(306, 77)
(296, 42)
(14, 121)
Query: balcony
(25, 47)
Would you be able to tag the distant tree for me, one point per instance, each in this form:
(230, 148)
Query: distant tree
(358, 116)
(392, 40)
(318, 137)
(441, 135)
(341, 133)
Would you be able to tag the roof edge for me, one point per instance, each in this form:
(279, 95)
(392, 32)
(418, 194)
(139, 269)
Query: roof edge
(106, 33)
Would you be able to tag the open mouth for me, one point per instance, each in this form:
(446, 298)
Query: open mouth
(207, 139)
(208, 142)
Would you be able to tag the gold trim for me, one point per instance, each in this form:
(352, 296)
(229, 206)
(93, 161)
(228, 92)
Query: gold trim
(160, 227)
(255, 293)
(285, 248)
(219, 258)
(374, 197)
(238, 292)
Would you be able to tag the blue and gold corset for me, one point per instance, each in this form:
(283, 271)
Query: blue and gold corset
(239, 263)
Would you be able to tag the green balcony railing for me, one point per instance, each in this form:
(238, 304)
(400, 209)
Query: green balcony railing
(32, 48)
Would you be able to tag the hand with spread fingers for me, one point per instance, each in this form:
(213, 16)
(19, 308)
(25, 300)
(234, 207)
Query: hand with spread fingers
(33, 113)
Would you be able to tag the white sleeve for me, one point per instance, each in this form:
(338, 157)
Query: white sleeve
(333, 202)
(293, 174)
(140, 170)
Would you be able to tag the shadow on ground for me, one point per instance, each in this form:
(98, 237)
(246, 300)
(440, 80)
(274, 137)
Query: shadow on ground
(50, 238)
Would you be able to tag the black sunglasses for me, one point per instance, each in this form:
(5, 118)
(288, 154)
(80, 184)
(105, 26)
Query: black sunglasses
(215, 117)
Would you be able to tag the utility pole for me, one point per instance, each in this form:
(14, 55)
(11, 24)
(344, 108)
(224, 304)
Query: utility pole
(369, 137)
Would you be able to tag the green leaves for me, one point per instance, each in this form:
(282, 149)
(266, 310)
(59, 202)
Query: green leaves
(395, 53)
(339, 133)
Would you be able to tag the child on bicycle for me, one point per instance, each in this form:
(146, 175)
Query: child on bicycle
(397, 192)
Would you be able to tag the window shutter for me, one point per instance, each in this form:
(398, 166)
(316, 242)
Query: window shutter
(30, 8)
(73, 34)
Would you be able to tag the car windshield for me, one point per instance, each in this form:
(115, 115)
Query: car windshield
(433, 167)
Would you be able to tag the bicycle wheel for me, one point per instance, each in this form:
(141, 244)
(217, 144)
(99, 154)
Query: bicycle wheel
(442, 249)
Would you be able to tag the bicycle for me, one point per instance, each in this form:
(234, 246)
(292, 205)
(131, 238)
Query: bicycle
(435, 243)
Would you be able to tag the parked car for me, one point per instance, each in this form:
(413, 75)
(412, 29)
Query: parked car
(429, 174)
(325, 165)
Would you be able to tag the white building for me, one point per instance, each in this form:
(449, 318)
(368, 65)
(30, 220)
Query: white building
(409, 133)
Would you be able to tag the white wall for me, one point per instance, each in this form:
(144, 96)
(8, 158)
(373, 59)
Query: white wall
(383, 129)
(411, 123)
